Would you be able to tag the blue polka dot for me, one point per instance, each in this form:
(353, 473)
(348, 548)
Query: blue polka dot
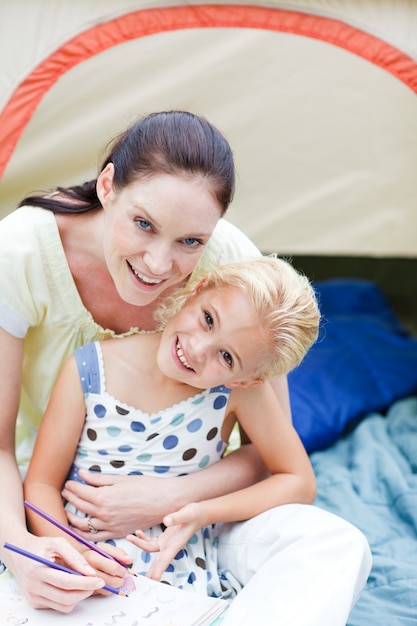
(144, 458)
(180, 555)
(177, 419)
(113, 431)
(170, 568)
(204, 461)
(137, 427)
(219, 402)
(161, 469)
(209, 575)
(206, 533)
(170, 442)
(145, 556)
(125, 448)
(195, 425)
(100, 410)
(102, 452)
(191, 579)
(135, 473)
(219, 446)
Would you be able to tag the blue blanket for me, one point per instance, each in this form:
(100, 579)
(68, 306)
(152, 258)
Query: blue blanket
(370, 478)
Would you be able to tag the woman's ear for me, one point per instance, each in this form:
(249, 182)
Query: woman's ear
(105, 183)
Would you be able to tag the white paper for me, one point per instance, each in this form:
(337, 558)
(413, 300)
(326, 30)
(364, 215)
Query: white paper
(149, 603)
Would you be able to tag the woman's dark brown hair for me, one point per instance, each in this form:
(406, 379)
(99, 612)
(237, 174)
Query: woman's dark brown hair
(168, 142)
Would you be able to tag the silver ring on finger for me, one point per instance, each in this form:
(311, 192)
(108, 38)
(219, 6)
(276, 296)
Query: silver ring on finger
(91, 526)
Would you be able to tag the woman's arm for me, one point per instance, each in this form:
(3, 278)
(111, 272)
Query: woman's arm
(52, 458)
(44, 587)
(291, 478)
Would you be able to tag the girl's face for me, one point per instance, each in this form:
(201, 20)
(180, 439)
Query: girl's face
(215, 339)
(155, 231)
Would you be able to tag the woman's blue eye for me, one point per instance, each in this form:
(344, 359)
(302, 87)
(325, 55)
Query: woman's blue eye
(227, 357)
(193, 243)
(144, 225)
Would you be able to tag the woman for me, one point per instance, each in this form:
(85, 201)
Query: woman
(95, 265)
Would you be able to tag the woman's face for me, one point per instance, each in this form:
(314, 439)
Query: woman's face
(155, 231)
(215, 339)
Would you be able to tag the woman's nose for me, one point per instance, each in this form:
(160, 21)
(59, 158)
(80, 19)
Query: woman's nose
(158, 258)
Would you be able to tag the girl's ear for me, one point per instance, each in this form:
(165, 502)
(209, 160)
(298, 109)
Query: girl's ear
(199, 286)
(105, 183)
(245, 383)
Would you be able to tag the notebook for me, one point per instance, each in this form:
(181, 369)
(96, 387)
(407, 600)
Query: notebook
(149, 603)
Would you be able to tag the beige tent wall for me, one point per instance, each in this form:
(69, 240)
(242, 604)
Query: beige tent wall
(325, 141)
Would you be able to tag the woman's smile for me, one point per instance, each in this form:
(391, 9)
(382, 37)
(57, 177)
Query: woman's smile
(145, 280)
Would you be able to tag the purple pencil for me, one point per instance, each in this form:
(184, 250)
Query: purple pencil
(74, 535)
(61, 568)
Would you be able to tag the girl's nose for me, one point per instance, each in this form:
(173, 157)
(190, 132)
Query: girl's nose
(200, 348)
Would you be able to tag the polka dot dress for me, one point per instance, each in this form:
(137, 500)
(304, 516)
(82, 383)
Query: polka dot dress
(119, 439)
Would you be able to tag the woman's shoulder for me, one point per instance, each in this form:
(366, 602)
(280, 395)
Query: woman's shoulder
(29, 223)
(227, 232)
(227, 244)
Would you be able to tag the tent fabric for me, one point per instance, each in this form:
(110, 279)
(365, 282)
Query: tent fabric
(100, 37)
(318, 100)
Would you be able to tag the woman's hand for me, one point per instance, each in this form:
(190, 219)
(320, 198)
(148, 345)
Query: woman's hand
(116, 505)
(180, 526)
(46, 587)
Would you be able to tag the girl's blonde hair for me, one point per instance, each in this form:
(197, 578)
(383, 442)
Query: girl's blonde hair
(282, 297)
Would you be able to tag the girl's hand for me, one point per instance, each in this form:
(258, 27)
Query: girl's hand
(109, 571)
(180, 526)
(49, 588)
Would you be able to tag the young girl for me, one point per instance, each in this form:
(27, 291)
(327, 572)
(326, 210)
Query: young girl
(164, 403)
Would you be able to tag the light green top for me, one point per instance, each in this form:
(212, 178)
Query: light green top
(40, 302)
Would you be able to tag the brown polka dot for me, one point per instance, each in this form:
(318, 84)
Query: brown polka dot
(91, 434)
(152, 436)
(189, 454)
(200, 562)
(122, 411)
(95, 468)
(117, 464)
(212, 433)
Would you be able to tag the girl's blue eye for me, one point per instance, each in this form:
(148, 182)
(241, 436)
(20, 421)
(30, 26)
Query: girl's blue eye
(144, 225)
(208, 318)
(227, 357)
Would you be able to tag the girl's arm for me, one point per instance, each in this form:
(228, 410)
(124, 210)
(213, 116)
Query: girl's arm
(52, 458)
(44, 587)
(291, 477)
